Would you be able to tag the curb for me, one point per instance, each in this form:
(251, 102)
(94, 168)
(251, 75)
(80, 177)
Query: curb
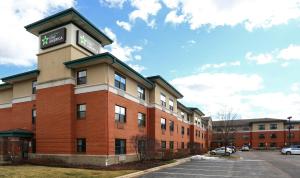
(140, 173)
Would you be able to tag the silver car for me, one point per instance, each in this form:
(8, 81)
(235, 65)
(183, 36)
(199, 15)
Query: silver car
(220, 151)
(294, 149)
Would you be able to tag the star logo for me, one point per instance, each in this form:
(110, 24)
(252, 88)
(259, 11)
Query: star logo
(83, 40)
(45, 40)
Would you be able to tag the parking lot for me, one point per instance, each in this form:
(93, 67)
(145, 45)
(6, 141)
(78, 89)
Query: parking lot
(252, 164)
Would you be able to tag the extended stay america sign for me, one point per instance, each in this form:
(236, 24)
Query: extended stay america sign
(53, 38)
(87, 42)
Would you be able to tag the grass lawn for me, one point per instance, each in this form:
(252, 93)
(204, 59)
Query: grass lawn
(54, 172)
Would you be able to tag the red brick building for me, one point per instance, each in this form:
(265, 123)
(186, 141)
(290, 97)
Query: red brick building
(265, 133)
(82, 105)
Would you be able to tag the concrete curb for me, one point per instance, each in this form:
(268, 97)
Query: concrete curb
(140, 173)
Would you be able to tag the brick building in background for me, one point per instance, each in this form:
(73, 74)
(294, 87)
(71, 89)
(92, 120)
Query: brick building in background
(265, 133)
(82, 105)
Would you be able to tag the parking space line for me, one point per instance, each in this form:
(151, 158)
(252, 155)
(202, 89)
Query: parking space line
(218, 170)
(190, 174)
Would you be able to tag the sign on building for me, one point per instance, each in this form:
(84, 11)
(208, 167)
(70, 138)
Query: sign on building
(53, 38)
(87, 42)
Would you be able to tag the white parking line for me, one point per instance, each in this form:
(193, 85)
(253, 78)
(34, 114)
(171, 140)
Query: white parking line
(219, 170)
(189, 174)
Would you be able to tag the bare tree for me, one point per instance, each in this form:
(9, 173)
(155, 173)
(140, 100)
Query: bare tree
(144, 147)
(226, 128)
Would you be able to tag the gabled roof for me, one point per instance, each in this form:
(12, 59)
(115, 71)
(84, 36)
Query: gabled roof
(244, 122)
(161, 81)
(66, 17)
(184, 108)
(21, 76)
(196, 110)
(112, 60)
(16, 133)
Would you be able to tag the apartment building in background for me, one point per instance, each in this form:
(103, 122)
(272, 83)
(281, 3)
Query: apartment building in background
(84, 106)
(264, 133)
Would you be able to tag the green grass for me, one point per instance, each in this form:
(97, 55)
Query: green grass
(26, 171)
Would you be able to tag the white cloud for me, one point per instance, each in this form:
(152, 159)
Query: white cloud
(192, 42)
(285, 64)
(260, 58)
(244, 93)
(138, 57)
(113, 3)
(144, 9)
(124, 25)
(137, 67)
(220, 65)
(252, 14)
(295, 87)
(292, 52)
(17, 46)
(124, 53)
(1, 82)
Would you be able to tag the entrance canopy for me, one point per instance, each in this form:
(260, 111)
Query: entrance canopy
(22, 133)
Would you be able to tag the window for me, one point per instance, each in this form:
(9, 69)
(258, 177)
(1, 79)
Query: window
(273, 126)
(141, 146)
(163, 124)
(261, 127)
(246, 137)
(120, 114)
(141, 92)
(171, 126)
(182, 130)
(171, 145)
(81, 111)
(33, 115)
(182, 115)
(182, 145)
(163, 100)
(292, 135)
(34, 83)
(163, 145)
(120, 146)
(273, 135)
(261, 145)
(261, 136)
(171, 104)
(81, 145)
(81, 77)
(188, 131)
(120, 82)
(246, 128)
(33, 145)
(141, 120)
(273, 144)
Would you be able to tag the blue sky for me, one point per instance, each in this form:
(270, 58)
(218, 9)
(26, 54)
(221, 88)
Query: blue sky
(243, 55)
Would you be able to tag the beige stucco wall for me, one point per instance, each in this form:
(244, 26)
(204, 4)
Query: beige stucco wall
(131, 84)
(6, 96)
(96, 74)
(52, 67)
(158, 90)
(280, 126)
(22, 89)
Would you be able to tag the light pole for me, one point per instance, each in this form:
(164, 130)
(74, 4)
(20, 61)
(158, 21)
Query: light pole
(289, 127)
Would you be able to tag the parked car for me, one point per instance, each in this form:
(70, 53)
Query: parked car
(228, 149)
(245, 148)
(220, 151)
(233, 148)
(294, 149)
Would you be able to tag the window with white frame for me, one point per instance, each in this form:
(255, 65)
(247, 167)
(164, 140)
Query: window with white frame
(120, 114)
(141, 92)
(171, 104)
(163, 99)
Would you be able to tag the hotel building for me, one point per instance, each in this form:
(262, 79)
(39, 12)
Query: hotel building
(83, 106)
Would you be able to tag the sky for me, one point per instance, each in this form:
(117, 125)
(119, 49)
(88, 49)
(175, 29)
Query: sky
(237, 54)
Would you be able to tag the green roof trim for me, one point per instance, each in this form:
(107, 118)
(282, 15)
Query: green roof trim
(73, 63)
(16, 133)
(186, 109)
(64, 13)
(21, 75)
(158, 77)
(198, 111)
